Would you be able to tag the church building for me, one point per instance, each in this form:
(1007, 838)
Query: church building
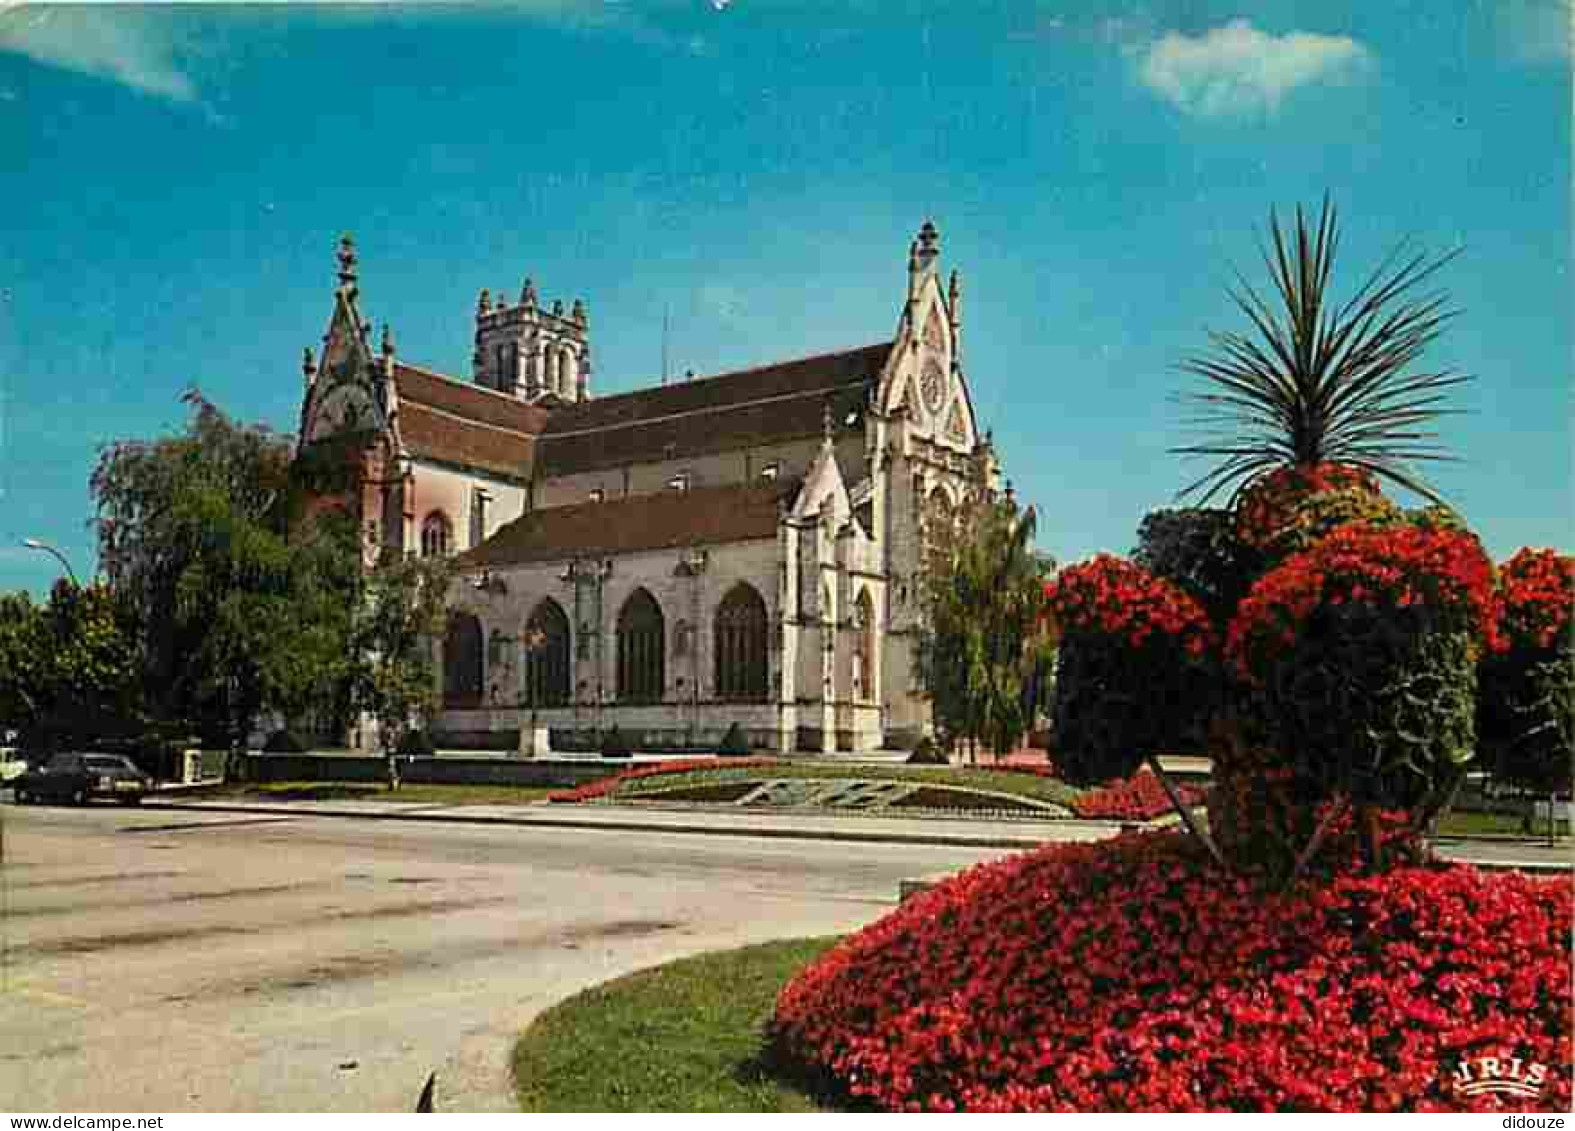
(739, 548)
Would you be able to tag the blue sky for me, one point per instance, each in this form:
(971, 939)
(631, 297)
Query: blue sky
(176, 177)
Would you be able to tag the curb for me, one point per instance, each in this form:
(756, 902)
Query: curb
(773, 832)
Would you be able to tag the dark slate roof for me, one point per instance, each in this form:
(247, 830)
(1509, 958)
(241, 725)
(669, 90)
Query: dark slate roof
(726, 412)
(701, 516)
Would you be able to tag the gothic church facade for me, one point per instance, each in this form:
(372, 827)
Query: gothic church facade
(741, 548)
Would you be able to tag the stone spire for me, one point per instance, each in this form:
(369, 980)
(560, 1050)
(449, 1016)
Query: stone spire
(347, 262)
(577, 314)
(484, 303)
(528, 294)
(388, 340)
(929, 245)
(309, 367)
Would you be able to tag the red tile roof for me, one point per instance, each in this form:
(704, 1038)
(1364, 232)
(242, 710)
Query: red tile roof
(450, 421)
(747, 408)
(666, 520)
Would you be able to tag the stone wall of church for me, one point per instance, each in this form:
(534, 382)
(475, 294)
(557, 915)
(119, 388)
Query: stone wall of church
(452, 492)
(687, 586)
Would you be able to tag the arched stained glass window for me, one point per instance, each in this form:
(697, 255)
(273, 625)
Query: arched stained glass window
(546, 644)
(741, 628)
(642, 640)
(437, 535)
(462, 662)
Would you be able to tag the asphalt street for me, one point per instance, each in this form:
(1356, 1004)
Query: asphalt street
(196, 961)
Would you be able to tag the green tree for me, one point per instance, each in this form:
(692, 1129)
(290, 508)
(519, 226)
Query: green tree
(983, 652)
(1317, 381)
(401, 611)
(233, 611)
(66, 668)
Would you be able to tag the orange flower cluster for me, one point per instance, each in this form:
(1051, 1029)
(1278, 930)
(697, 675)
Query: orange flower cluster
(1443, 574)
(1269, 506)
(1537, 588)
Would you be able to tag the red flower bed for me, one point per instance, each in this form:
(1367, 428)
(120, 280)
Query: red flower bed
(601, 787)
(1140, 797)
(1133, 975)
(1538, 591)
(1443, 573)
(1109, 596)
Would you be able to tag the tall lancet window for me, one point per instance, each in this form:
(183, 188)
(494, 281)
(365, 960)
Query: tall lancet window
(741, 627)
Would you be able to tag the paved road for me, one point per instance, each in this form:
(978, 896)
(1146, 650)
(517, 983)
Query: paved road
(190, 961)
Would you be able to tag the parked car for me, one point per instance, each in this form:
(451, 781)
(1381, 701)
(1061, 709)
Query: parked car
(78, 778)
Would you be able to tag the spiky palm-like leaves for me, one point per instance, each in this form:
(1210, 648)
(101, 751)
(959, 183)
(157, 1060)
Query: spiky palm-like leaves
(1317, 382)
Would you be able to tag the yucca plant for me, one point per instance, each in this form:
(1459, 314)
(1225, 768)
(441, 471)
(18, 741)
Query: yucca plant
(1316, 380)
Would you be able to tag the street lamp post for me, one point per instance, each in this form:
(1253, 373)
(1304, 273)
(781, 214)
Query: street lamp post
(35, 544)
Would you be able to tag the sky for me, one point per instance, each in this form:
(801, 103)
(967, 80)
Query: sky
(175, 179)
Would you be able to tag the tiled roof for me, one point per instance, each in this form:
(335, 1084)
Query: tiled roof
(464, 443)
(446, 420)
(666, 520)
(732, 410)
(464, 399)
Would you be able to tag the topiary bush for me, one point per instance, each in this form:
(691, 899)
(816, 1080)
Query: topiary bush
(1526, 707)
(734, 743)
(1137, 669)
(416, 742)
(615, 744)
(1197, 549)
(1358, 657)
(286, 741)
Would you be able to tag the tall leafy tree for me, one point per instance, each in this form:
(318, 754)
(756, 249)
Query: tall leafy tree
(234, 611)
(401, 610)
(1316, 380)
(983, 655)
(66, 668)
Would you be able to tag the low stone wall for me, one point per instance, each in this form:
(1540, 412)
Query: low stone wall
(428, 771)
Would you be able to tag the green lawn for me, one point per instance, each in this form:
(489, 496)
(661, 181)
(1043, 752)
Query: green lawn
(687, 1036)
(1497, 824)
(406, 794)
(994, 781)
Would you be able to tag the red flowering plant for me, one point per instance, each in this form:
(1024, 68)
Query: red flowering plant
(1358, 657)
(605, 787)
(1526, 706)
(1137, 666)
(1291, 507)
(1138, 798)
(1135, 975)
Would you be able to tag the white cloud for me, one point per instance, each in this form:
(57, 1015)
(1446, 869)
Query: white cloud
(1239, 70)
(125, 46)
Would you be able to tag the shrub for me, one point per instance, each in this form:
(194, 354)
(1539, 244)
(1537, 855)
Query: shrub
(1359, 659)
(615, 744)
(1526, 710)
(1197, 549)
(285, 741)
(1137, 669)
(416, 742)
(734, 743)
(1133, 975)
(928, 753)
(1277, 514)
